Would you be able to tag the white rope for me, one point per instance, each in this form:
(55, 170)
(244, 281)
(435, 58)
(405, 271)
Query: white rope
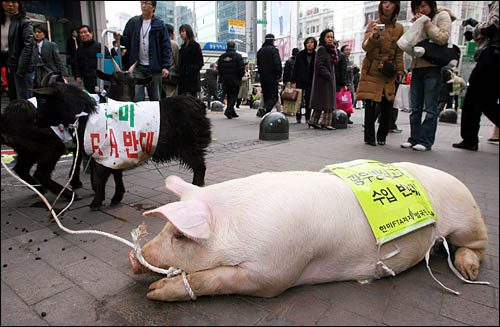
(137, 233)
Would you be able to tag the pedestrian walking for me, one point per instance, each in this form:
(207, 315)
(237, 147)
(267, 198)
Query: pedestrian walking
(231, 70)
(269, 65)
(302, 74)
(211, 78)
(86, 60)
(147, 42)
(171, 85)
(17, 49)
(458, 86)
(72, 44)
(323, 94)
(482, 94)
(289, 65)
(381, 68)
(46, 56)
(346, 75)
(191, 61)
(246, 84)
(445, 99)
(426, 77)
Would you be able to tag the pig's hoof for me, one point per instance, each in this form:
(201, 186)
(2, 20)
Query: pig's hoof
(168, 289)
(467, 262)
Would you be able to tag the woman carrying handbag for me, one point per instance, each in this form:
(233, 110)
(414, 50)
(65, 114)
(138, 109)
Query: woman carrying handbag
(381, 68)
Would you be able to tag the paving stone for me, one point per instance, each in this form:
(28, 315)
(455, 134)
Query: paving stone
(400, 314)
(336, 316)
(35, 280)
(76, 306)
(468, 312)
(97, 278)
(15, 312)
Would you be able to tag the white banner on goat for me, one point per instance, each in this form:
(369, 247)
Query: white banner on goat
(123, 134)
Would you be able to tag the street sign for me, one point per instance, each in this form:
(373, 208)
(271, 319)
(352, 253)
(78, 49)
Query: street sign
(235, 22)
(237, 29)
(264, 22)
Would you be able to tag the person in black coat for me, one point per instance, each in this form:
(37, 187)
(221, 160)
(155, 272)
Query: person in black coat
(231, 70)
(18, 50)
(86, 60)
(302, 74)
(289, 64)
(211, 76)
(269, 65)
(72, 44)
(191, 61)
(445, 90)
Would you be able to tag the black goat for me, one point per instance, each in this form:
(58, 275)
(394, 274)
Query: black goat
(184, 128)
(33, 145)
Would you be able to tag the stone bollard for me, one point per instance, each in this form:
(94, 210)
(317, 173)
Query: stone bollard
(273, 127)
(340, 119)
(448, 116)
(217, 106)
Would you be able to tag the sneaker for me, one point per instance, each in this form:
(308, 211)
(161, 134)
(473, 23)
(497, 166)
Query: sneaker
(350, 121)
(493, 141)
(420, 147)
(406, 145)
(464, 146)
(395, 130)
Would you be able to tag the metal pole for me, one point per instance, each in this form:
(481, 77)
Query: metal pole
(100, 63)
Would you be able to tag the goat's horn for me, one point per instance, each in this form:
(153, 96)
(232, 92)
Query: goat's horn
(117, 68)
(131, 69)
(46, 79)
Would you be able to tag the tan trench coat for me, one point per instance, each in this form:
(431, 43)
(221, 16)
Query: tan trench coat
(373, 83)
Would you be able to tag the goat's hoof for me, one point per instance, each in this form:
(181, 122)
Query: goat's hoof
(94, 206)
(116, 199)
(76, 185)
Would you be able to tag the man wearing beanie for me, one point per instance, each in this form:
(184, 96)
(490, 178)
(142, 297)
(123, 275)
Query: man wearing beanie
(269, 65)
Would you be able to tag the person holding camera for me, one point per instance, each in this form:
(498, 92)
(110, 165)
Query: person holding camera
(426, 77)
(482, 94)
(381, 68)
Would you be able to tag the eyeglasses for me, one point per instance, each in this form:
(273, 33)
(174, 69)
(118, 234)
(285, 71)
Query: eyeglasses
(146, 3)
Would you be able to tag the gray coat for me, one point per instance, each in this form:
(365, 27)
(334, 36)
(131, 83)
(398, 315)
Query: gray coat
(48, 60)
(323, 86)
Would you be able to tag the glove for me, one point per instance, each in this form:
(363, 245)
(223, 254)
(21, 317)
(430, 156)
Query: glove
(470, 21)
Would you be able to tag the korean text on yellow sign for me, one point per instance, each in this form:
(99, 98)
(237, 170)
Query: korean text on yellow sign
(393, 201)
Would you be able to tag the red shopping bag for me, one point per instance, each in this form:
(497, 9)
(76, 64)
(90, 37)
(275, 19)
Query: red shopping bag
(344, 100)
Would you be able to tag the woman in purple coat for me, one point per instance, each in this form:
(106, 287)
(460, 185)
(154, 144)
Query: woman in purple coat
(323, 87)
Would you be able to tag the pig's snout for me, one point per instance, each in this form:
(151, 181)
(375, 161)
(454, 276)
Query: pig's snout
(137, 267)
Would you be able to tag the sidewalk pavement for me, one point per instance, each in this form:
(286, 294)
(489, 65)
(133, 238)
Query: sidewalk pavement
(50, 277)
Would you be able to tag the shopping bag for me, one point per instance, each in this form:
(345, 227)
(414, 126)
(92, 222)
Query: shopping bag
(292, 107)
(344, 100)
(412, 36)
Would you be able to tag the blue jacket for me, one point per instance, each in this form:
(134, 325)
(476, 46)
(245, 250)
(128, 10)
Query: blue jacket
(160, 50)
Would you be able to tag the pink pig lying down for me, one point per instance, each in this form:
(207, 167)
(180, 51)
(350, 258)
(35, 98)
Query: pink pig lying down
(265, 233)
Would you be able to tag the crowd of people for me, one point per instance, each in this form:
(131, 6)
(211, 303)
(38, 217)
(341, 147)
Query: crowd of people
(321, 70)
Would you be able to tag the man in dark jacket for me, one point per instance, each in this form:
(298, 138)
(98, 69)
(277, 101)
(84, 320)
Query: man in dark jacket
(86, 59)
(302, 73)
(269, 65)
(17, 51)
(46, 55)
(148, 42)
(289, 64)
(211, 76)
(231, 70)
(72, 44)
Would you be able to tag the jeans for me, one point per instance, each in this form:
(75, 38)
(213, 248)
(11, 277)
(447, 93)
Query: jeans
(424, 91)
(154, 86)
(23, 85)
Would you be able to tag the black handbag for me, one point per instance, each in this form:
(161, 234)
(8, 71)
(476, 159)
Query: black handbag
(171, 79)
(439, 55)
(387, 68)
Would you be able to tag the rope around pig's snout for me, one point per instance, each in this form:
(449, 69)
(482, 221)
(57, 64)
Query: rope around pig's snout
(137, 233)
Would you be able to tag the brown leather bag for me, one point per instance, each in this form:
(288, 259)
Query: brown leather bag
(289, 94)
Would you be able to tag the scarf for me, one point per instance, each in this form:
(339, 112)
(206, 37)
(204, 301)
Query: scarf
(332, 51)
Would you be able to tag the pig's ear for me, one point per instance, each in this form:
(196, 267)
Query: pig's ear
(179, 186)
(191, 217)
